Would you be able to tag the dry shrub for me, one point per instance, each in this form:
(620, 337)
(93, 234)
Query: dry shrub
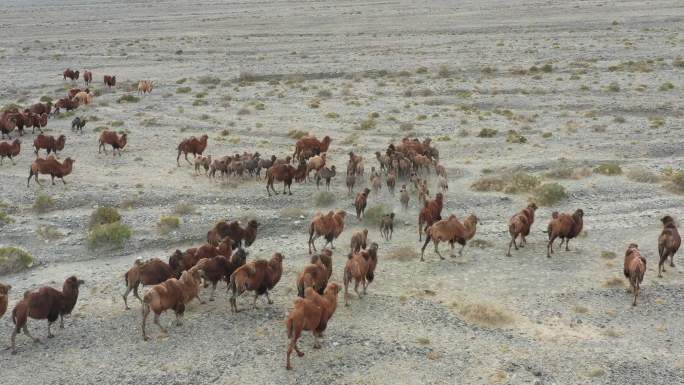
(296, 134)
(13, 260)
(614, 282)
(484, 314)
(324, 199)
(643, 175)
(374, 214)
(293, 212)
(609, 169)
(548, 194)
(608, 254)
(401, 254)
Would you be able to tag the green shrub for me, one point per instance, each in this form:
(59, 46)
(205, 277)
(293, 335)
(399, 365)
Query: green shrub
(13, 260)
(547, 68)
(324, 199)
(515, 137)
(549, 193)
(643, 175)
(4, 217)
(373, 214)
(49, 232)
(45, 99)
(332, 115)
(43, 203)
(613, 87)
(128, 98)
(487, 133)
(489, 184)
(167, 224)
(181, 81)
(296, 134)
(367, 124)
(111, 234)
(608, 169)
(205, 80)
(103, 216)
(676, 181)
(444, 71)
(183, 90)
(184, 208)
(521, 182)
(666, 86)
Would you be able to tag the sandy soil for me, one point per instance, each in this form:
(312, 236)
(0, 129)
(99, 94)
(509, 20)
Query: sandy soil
(259, 67)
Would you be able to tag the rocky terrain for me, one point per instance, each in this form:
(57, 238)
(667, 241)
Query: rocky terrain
(586, 94)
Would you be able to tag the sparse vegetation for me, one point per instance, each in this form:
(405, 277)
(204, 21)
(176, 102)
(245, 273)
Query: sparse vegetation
(128, 98)
(103, 216)
(483, 314)
(184, 208)
(549, 194)
(167, 224)
(296, 134)
(515, 137)
(43, 203)
(49, 232)
(517, 183)
(14, 260)
(324, 199)
(402, 254)
(487, 133)
(374, 214)
(643, 175)
(606, 254)
(183, 90)
(609, 169)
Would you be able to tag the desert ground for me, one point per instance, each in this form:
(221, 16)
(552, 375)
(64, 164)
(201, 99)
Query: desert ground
(585, 94)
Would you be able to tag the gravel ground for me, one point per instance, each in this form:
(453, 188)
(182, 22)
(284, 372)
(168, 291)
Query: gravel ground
(604, 98)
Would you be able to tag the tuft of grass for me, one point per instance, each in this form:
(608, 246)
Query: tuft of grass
(613, 87)
(325, 94)
(489, 184)
(332, 115)
(45, 99)
(487, 133)
(43, 203)
(324, 199)
(181, 80)
(4, 217)
(244, 111)
(666, 87)
(116, 123)
(103, 216)
(207, 80)
(296, 134)
(184, 208)
(596, 372)
(579, 309)
(109, 235)
(406, 126)
(374, 214)
(606, 254)
(609, 169)
(549, 194)
(401, 254)
(128, 98)
(515, 137)
(481, 244)
(676, 181)
(522, 182)
(443, 138)
(614, 282)
(49, 232)
(14, 259)
(423, 341)
(643, 175)
(167, 224)
(367, 124)
(443, 71)
(484, 314)
(293, 212)
(183, 90)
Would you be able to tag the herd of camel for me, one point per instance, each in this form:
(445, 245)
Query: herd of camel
(223, 258)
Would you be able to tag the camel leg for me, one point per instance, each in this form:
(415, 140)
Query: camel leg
(254, 306)
(549, 246)
(437, 249)
(125, 297)
(567, 242)
(316, 344)
(49, 334)
(213, 290)
(636, 294)
(156, 322)
(356, 289)
(512, 242)
(268, 299)
(460, 252)
(672, 260)
(61, 321)
(186, 158)
(135, 293)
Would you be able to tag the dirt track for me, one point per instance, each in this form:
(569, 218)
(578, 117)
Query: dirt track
(536, 320)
